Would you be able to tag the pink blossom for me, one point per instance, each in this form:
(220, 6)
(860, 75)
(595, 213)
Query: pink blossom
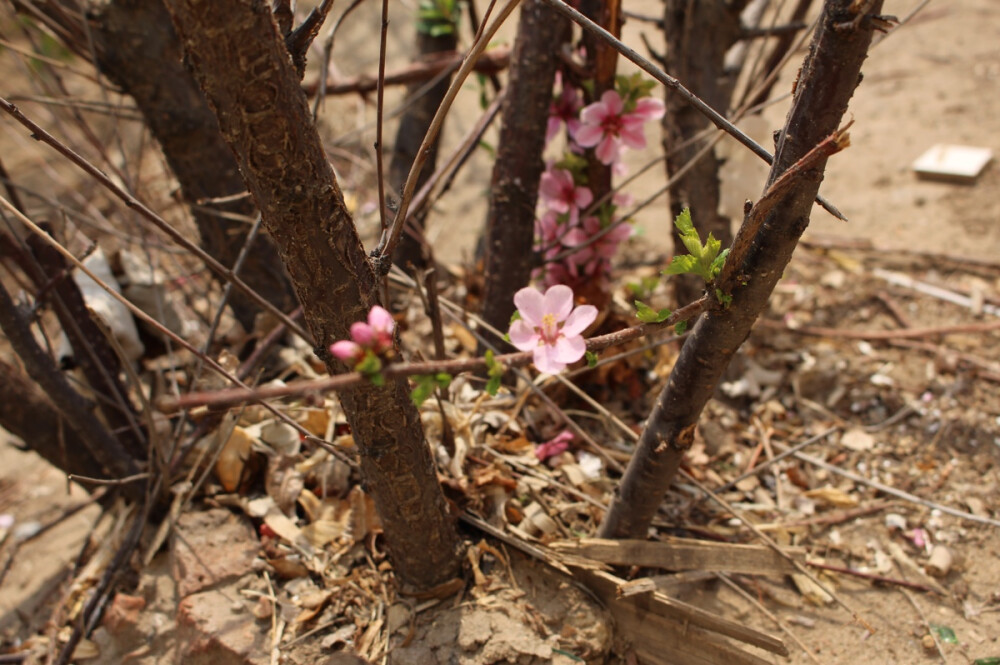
(606, 125)
(551, 327)
(561, 194)
(347, 351)
(563, 109)
(555, 446)
(375, 335)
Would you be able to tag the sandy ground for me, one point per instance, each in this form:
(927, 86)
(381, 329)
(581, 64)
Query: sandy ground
(934, 81)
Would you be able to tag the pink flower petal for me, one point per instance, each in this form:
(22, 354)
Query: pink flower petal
(608, 150)
(569, 349)
(633, 136)
(578, 321)
(588, 135)
(345, 350)
(545, 360)
(595, 114)
(381, 320)
(531, 305)
(582, 196)
(649, 108)
(612, 102)
(559, 301)
(362, 333)
(522, 336)
(555, 446)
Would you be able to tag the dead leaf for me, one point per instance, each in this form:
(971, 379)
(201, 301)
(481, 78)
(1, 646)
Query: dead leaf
(857, 439)
(232, 467)
(833, 496)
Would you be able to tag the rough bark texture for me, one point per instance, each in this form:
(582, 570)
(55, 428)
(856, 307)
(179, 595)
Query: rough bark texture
(826, 82)
(510, 226)
(28, 414)
(412, 128)
(138, 49)
(698, 34)
(247, 75)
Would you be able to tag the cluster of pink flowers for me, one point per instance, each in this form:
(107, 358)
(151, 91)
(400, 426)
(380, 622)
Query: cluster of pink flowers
(374, 336)
(577, 247)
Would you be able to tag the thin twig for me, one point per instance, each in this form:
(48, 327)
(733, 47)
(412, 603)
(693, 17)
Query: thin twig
(233, 396)
(879, 335)
(763, 610)
(899, 494)
(881, 579)
(387, 243)
(714, 116)
(130, 201)
(379, 112)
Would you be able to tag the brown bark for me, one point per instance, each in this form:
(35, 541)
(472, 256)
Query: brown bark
(28, 414)
(138, 49)
(510, 226)
(826, 82)
(242, 65)
(698, 34)
(412, 128)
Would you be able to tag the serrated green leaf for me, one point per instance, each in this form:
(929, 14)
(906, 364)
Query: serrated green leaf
(712, 247)
(681, 264)
(684, 224)
(693, 244)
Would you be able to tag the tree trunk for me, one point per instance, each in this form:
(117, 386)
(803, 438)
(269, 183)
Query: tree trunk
(760, 253)
(510, 225)
(412, 128)
(138, 49)
(698, 35)
(244, 68)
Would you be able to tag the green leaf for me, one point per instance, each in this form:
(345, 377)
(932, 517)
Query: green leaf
(992, 660)
(493, 386)
(680, 327)
(719, 262)
(516, 316)
(724, 298)
(680, 265)
(684, 223)
(423, 389)
(647, 314)
(369, 364)
(591, 358)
